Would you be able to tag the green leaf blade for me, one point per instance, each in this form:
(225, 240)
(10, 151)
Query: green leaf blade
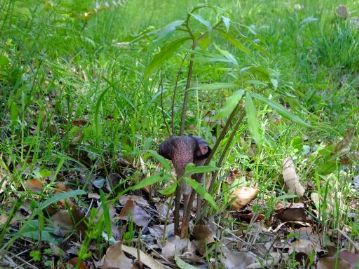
(198, 188)
(281, 110)
(166, 52)
(252, 121)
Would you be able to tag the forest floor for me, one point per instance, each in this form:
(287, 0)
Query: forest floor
(90, 89)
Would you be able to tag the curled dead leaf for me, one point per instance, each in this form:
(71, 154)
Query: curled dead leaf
(34, 184)
(145, 259)
(242, 196)
(115, 258)
(291, 178)
(175, 246)
(292, 212)
(73, 263)
(134, 212)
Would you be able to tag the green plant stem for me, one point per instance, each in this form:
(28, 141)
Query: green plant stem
(186, 90)
(226, 148)
(174, 95)
(162, 106)
(223, 133)
(176, 215)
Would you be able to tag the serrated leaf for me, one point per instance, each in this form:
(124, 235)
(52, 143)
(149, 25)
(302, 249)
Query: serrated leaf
(230, 104)
(201, 191)
(260, 71)
(166, 52)
(252, 121)
(182, 264)
(234, 42)
(281, 110)
(202, 21)
(216, 86)
(150, 181)
(166, 31)
(193, 169)
(60, 196)
(229, 56)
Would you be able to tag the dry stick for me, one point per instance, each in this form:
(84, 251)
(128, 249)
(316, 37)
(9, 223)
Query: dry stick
(174, 95)
(162, 106)
(193, 193)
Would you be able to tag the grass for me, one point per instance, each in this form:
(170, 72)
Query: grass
(73, 98)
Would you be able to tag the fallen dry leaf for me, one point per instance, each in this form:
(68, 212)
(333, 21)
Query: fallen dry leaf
(174, 246)
(292, 212)
(242, 196)
(237, 260)
(34, 184)
(271, 260)
(204, 235)
(63, 220)
(73, 262)
(3, 219)
(135, 198)
(333, 263)
(144, 258)
(304, 246)
(137, 214)
(291, 178)
(115, 258)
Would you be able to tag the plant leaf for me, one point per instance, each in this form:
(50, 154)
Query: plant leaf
(281, 110)
(201, 191)
(106, 214)
(165, 163)
(193, 169)
(202, 21)
(229, 56)
(60, 196)
(216, 86)
(252, 121)
(150, 181)
(231, 39)
(166, 31)
(166, 52)
(230, 104)
(169, 190)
